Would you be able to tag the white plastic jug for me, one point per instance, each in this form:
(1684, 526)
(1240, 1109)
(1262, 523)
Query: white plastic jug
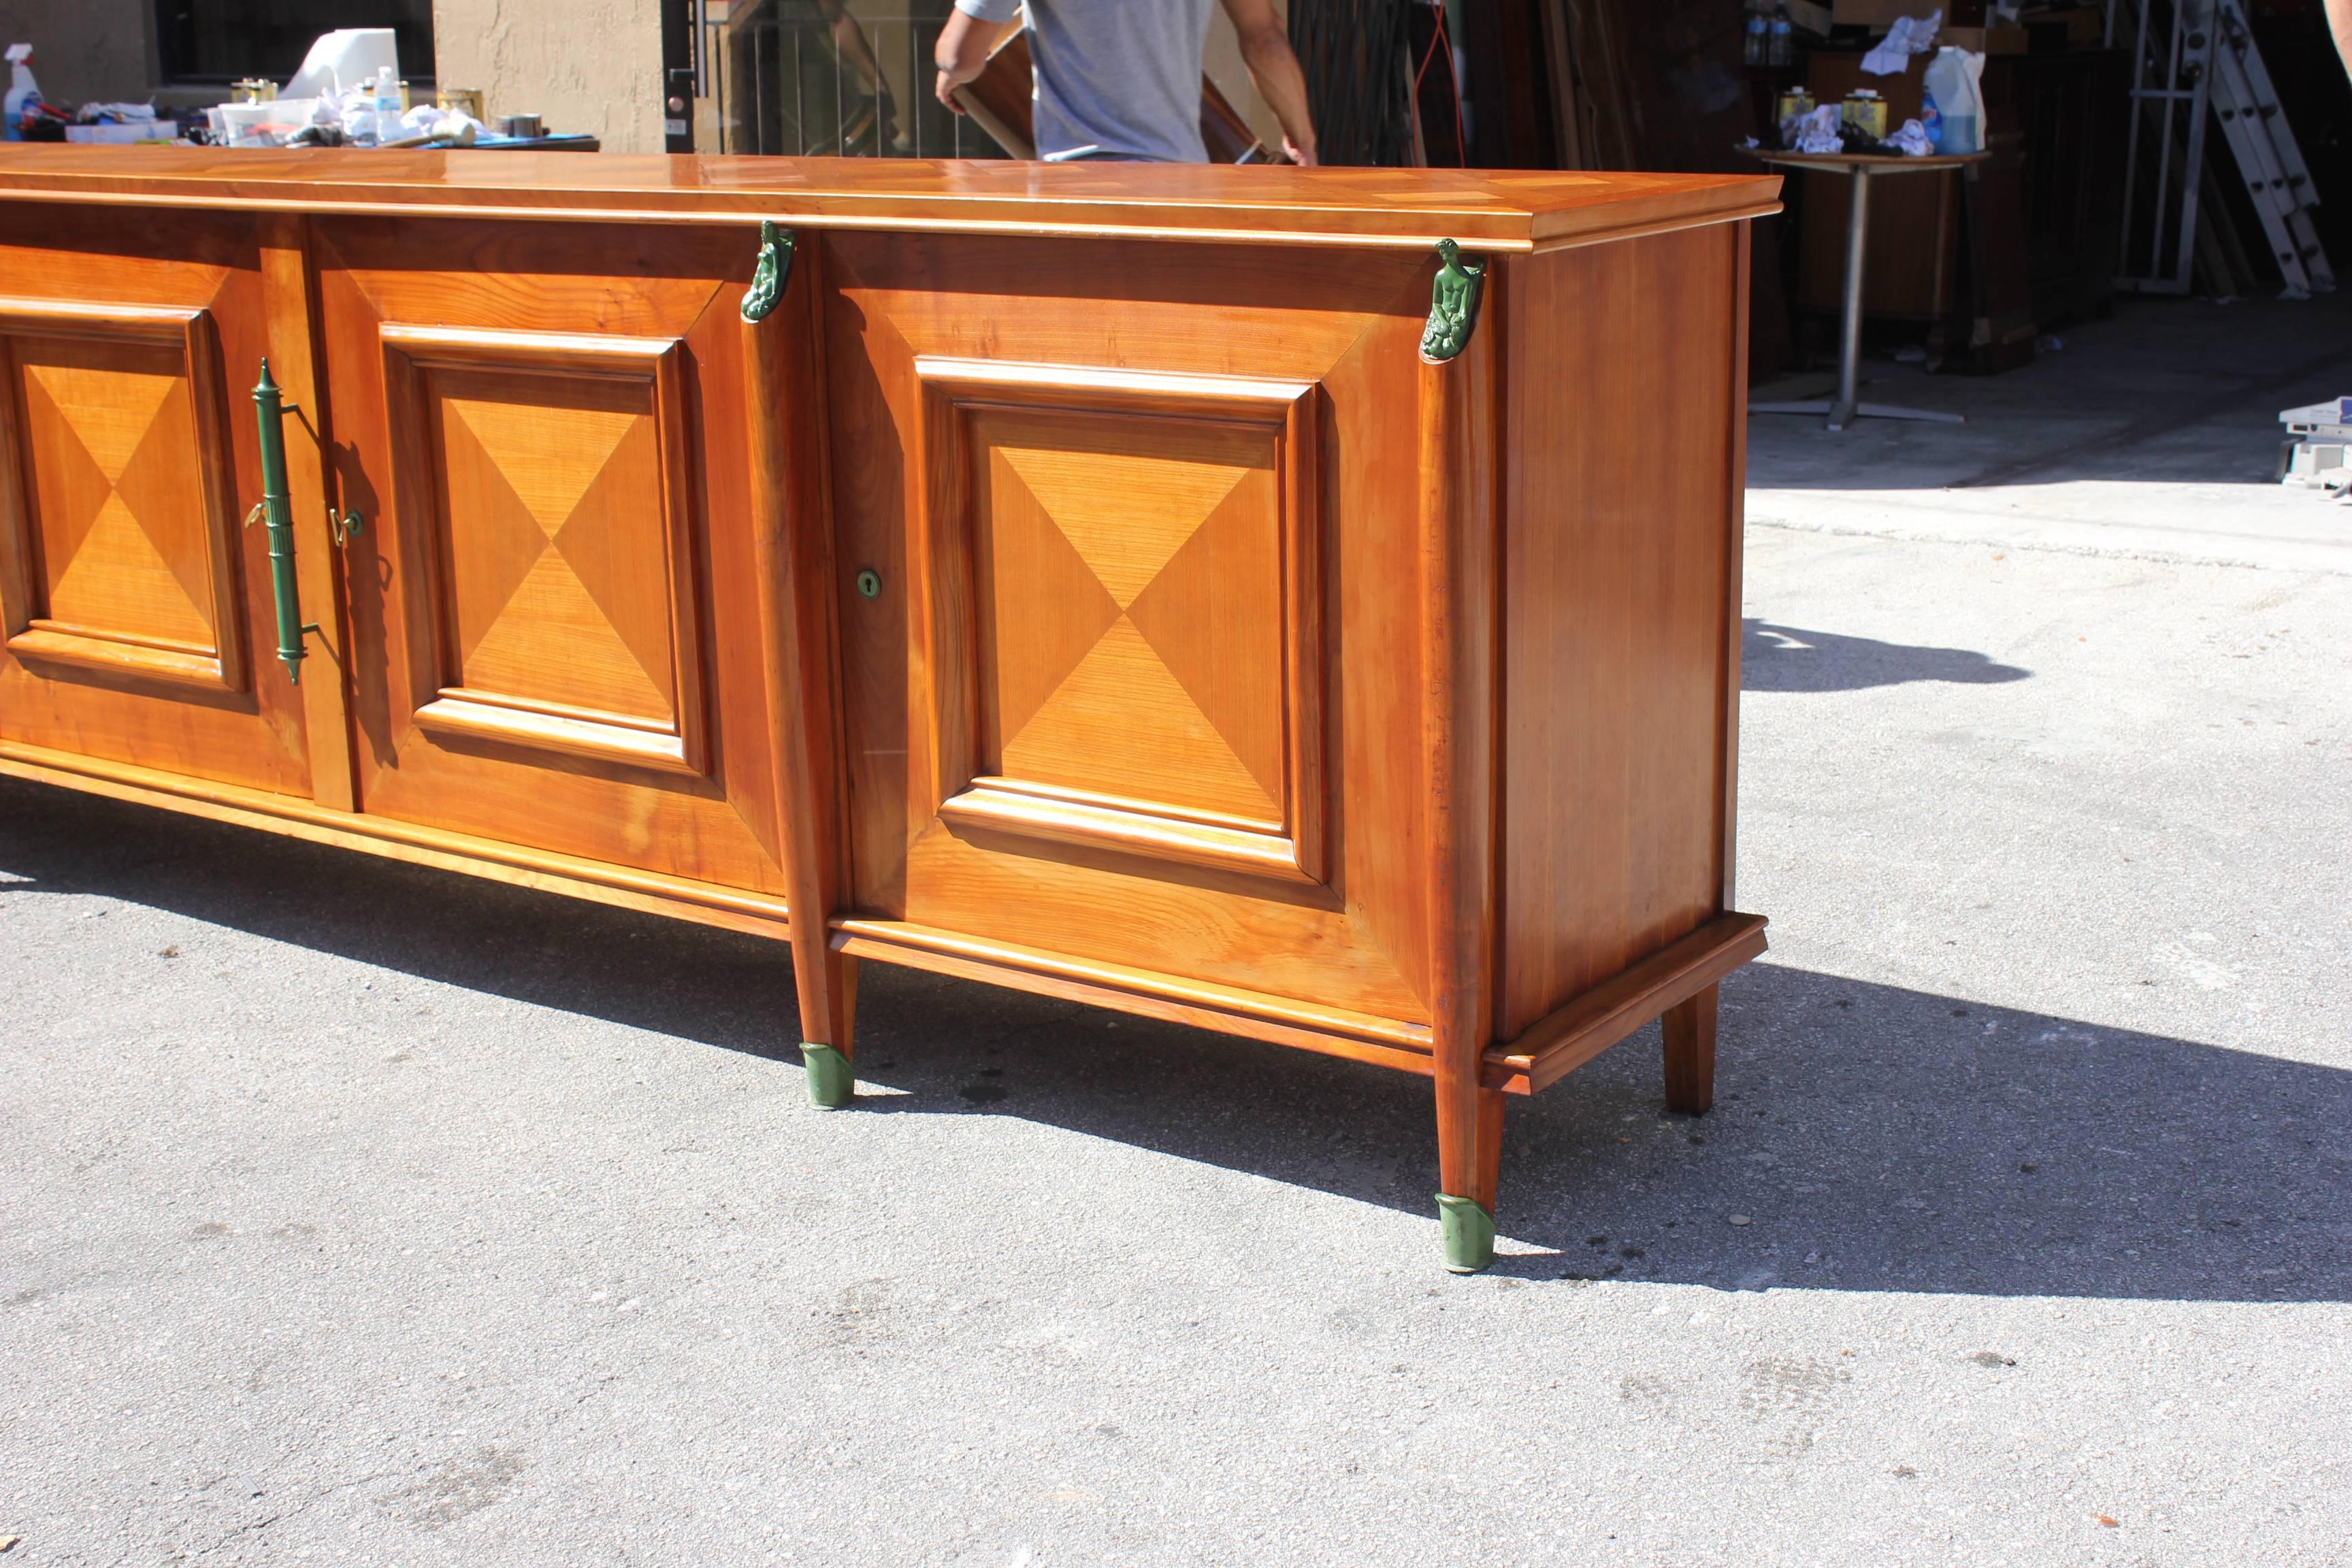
(1951, 82)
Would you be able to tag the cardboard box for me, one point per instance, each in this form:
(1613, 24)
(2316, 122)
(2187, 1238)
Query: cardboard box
(1808, 17)
(1984, 40)
(1879, 15)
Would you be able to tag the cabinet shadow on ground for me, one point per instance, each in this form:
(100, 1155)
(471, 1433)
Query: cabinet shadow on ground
(1789, 659)
(1875, 1139)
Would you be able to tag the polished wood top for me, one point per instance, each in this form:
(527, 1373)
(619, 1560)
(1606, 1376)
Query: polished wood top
(1491, 211)
(1875, 162)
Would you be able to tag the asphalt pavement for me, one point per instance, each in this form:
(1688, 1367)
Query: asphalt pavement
(354, 1212)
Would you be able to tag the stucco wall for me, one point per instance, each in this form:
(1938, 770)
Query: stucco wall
(586, 65)
(84, 51)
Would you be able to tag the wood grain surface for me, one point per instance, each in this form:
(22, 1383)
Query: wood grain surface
(552, 439)
(1405, 208)
(1620, 628)
(1023, 597)
(1130, 405)
(134, 601)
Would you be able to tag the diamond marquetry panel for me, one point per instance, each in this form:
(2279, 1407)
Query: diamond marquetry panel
(1123, 725)
(555, 549)
(1210, 616)
(118, 490)
(1133, 607)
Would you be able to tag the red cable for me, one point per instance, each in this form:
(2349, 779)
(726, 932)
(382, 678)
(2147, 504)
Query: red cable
(1454, 85)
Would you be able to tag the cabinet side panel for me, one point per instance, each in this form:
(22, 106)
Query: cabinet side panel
(1621, 521)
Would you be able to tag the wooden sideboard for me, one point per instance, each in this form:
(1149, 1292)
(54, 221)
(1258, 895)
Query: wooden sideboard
(1178, 589)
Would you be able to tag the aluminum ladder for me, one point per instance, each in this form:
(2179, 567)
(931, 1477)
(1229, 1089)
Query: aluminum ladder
(2199, 57)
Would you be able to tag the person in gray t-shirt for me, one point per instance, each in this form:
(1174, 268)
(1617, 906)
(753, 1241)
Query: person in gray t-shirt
(1121, 78)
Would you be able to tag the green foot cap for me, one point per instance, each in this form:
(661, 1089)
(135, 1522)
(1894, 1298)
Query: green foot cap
(1469, 1234)
(832, 1084)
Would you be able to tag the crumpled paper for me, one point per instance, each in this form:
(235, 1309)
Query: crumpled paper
(1818, 132)
(1909, 35)
(1912, 141)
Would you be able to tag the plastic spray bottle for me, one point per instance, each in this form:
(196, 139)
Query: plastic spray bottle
(22, 88)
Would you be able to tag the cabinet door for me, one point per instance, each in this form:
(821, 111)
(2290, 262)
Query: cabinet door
(548, 421)
(136, 611)
(1139, 687)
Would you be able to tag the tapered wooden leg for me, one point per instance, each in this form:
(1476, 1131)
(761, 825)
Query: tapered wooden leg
(1460, 598)
(792, 544)
(1469, 1164)
(1690, 1054)
(827, 983)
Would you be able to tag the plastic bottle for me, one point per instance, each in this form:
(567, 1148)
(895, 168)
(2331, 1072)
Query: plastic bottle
(21, 87)
(1782, 48)
(387, 105)
(1759, 39)
(1952, 90)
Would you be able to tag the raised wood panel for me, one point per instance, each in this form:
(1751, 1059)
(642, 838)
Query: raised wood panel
(561, 540)
(1122, 585)
(131, 600)
(556, 622)
(1175, 870)
(122, 550)
(1616, 594)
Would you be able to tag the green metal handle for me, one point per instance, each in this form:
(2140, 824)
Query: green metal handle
(277, 511)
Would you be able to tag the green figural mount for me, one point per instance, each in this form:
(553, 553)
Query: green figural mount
(831, 1082)
(1469, 1234)
(775, 268)
(1452, 304)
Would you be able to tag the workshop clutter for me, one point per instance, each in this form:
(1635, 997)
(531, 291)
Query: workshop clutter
(348, 93)
(1952, 109)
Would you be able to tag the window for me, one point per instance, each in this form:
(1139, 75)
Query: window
(207, 41)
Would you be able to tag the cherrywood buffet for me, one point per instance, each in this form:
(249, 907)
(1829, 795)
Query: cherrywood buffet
(1195, 591)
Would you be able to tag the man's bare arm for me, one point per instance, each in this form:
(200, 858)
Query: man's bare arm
(962, 54)
(2339, 21)
(1265, 50)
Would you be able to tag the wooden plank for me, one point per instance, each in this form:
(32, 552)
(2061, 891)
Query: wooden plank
(1568, 130)
(1564, 1040)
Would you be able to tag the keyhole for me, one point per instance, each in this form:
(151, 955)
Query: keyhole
(869, 583)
